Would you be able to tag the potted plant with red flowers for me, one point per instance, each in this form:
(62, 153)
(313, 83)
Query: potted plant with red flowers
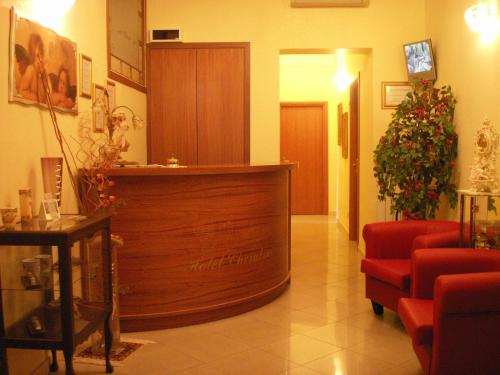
(415, 158)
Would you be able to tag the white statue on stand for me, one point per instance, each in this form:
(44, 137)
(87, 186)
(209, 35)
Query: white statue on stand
(483, 176)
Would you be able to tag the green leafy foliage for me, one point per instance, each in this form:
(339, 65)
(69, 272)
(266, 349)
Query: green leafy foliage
(415, 158)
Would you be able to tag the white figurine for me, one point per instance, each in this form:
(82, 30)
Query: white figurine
(483, 176)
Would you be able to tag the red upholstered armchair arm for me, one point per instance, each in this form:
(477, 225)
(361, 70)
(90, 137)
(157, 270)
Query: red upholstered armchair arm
(440, 239)
(467, 293)
(428, 264)
(394, 239)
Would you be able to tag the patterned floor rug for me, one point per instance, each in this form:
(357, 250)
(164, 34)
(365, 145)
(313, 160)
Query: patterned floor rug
(128, 346)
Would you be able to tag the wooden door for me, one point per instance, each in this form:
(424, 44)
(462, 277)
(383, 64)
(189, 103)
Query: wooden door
(222, 97)
(172, 128)
(304, 140)
(354, 161)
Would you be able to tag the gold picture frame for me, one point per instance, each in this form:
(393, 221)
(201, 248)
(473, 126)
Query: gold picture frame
(98, 111)
(111, 88)
(340, 111)
(85, 76)
(393, 93)
(345, 135)
(126, 34)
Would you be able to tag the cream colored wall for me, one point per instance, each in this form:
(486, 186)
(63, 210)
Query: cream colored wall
(26, 131)
(271, 26)
(472, 68)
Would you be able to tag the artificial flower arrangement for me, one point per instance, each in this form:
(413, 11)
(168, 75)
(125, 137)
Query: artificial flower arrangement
(415, 158)
(97, 155)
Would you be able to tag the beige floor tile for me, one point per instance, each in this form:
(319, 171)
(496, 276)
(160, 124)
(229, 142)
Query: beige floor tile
(412, 367)
(257, 333)
(200, 370)
(339, 334)
(393, 350)
(210, 347)
(252, 362)
(298, 321)
(334, 311)
(387, 325)
(348, 363)
(300, 349)
(301, 371)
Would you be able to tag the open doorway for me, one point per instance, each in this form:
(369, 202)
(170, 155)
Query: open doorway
(312, 77)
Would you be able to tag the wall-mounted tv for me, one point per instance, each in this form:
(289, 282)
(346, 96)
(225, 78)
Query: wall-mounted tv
(419, 60)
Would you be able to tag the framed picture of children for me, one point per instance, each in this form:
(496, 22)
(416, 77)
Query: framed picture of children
(43, 66)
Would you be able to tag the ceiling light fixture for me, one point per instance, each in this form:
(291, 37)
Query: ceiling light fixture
(483, 18)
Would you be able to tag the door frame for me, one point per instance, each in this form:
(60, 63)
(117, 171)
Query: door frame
(324, 143)
(354, 160)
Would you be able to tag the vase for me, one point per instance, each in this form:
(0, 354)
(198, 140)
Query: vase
(110, 153)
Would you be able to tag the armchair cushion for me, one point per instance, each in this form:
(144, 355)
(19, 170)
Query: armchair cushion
(392, 271)
(417, 316)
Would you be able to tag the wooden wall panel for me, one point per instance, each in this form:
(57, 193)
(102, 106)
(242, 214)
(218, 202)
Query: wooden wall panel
(172, 128)
(221, 105)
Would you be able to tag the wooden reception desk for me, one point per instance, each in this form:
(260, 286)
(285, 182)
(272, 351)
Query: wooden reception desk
(201, 243)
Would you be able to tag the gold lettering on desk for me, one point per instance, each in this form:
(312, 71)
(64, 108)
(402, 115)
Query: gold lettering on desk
(240, 259)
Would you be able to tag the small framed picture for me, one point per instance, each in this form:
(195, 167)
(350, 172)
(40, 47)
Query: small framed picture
(98, 112)
(111, 87)
(393, 93)
(345, 135)
(49, 209)
(85, 76)
(340, 111)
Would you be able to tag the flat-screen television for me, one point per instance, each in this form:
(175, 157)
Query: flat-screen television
(419, 60)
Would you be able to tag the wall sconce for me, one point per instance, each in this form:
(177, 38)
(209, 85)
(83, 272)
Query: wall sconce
(50, 12)
(482, 18)
(342, 78)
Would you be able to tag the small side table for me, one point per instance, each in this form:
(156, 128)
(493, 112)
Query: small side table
(60, 324)
(468, 236)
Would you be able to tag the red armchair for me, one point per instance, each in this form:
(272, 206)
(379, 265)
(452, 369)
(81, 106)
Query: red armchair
(453, 316)
(389, 246)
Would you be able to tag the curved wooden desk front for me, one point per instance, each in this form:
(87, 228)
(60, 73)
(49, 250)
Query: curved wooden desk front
(201, 243)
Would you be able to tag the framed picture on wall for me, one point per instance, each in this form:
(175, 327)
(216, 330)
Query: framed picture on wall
(85, 76)
(340, 111)
(98, 111)
(345, 133)
(111, 88)
(35, 49)
(393, 93)
(126, 28)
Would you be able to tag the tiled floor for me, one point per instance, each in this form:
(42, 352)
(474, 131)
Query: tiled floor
(322, 324)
